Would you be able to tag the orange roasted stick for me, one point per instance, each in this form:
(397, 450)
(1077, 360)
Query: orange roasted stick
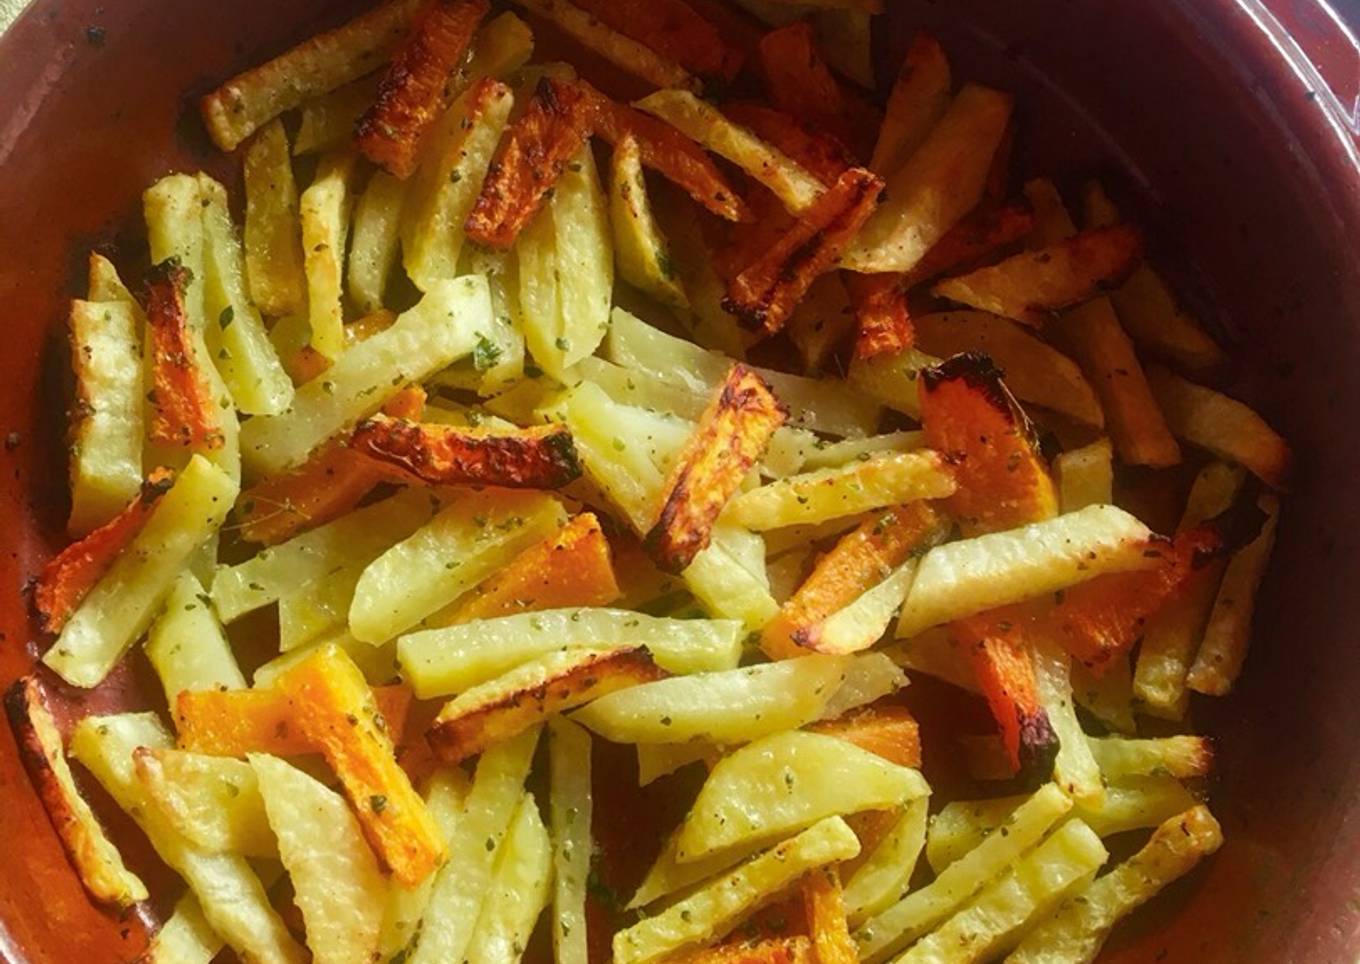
(73, 572)
(1005, 674)
(730, 438)
(541, 457)
(799, 82)
(675, 29)
(982, 233)
(668, 152)
(858, 561)
(889, 731)
(823, 156)
(572, 568)
(531, 157)
(415, 89)
(237, 722)
(325, 487)
(184, 412)
(969, 415)
(883, 324)
(824, 904)
(766, 292)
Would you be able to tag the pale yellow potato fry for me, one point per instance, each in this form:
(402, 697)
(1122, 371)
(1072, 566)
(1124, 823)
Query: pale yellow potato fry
(729, 577)
(1085, 476)
(213, 801)
(570, 809)
(886, 874)
(887, 479)
(890, 379)
(640, 250)
(641, 389)
(941, 182)
(120, 607)
(919, 912)
(320, 608)
(1034, 371)
(375, 240)
(461, 885)
(1109, 698)
(476, 534)
(106, 285)
(1183, 757)
(94, 856)
(828, 454)
(999, 568)
(352, 541)
(108, 424)
(1224, 646)
(336, 880)
(714, 909)
(863, 623)
(454, 162)
(432, 335)
(316, 66)
(231, 896)
(1075, 768)
(186, 644)
(328, 121)
(539, 296)
(185, 938)
(936, 653)
(235, 333)
(497, 358)
(325, 212)
(520, 887)
(785, 782)
(272, 230)
(919, 98)
(867, 677)
(584, 258)
(699, 120)
(1076, 931)
(1026, 892)
(441, 662)
(733, 706)
(621, 51)
(1222, 425)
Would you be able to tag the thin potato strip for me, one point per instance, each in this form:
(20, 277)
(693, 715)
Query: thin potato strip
(821, 324)
(327, 121)
(413, 92)
(520, 888)
(214, 801)
(204, 663)
(731, 437)
(1085, 476)
(1074, 768)
(184, 411)
(570, 815)
(1183, 757)
(502, 708)
(375, 240)
(919, 98)
(886, 873)
(643, 256)
(532, 156)
(824, 904)
(96, 860)
(324, 211)
(674, 30)
(186, 937)
(532, 458)
(245, 103)
(766, 292)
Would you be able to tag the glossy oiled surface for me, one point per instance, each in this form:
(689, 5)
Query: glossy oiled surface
(1182, 100)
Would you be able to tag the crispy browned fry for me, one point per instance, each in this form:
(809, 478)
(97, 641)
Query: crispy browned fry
(573, 568)
(799, 82)
(860, 559)
(883, 324)
(1005, 674)
(668, 152)
(730, 438)
(532, 155)
(675, 29)
(890, 731)
(95, 858)
(970, 416)
(490, 714)
(325, 487)
(337, 714)
(984, 232)
(773, 950)
(542, 457)
(825, 157)
(765, 293)
(824, 904)
(184, 412)
(415, 88)
(1032, 285)
(72, 573)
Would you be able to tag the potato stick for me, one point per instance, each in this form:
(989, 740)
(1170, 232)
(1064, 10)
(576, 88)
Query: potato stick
(886, 874)
(327, 122)
(1109, 697)
(674, 30)
(94, 856)
(1078, 928)
(821, 323)
(1075, 768)
(790, 182)
(571, 815)
(184, 411)
(243, 104)
(186, 937)
(107, 420)
(413, 92)
(214, 801)
(823, 156)
(1085, 476)
(730, 438)
(121, 605)
(584, 260)
(186, 644)
(617, 48)
(919, 98)
(521, 887)
(373, 247)
(640, 249)
(502, 708)
(976, 238)
(325, 213)
(1224, 647)
(891, 379)
(1183, 757)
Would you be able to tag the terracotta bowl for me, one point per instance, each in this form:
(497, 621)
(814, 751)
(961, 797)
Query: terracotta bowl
(1231, 124)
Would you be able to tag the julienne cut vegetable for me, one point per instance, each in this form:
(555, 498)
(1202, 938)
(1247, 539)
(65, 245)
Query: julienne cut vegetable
(524, 429)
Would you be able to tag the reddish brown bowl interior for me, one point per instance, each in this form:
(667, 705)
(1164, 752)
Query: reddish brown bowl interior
(1252, 193)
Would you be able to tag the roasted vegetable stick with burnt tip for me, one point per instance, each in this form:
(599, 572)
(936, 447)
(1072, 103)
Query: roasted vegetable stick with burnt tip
(883, 323)
(184, 412)
(730, 438)
(1005, 673)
